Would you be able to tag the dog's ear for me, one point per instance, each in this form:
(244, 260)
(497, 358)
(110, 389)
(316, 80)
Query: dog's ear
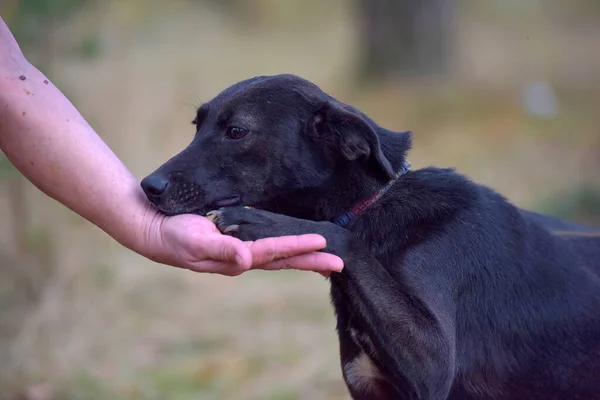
(346, 132)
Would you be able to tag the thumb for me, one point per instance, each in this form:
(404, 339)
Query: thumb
(225, 248)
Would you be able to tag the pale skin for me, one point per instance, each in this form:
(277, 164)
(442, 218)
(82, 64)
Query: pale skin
(51, 144)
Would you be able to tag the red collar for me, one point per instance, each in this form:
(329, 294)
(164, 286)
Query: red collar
(360, 207)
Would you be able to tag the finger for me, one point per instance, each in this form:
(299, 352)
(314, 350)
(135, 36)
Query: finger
(226, 249)
(323, 263)
(270, 249)
(217, 267)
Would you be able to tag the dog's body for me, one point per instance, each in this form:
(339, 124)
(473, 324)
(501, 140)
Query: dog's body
(448, 290)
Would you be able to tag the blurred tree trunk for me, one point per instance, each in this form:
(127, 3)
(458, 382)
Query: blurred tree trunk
(404, 38)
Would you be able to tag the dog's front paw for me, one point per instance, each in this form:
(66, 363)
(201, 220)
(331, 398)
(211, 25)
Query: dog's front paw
(244, 223)
(249, 224)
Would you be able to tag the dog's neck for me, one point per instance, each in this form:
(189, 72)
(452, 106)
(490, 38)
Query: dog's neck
(349, 186)
(361, 206)
(362, 194)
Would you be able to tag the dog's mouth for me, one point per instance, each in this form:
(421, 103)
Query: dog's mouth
(229, 201)
(226, 202)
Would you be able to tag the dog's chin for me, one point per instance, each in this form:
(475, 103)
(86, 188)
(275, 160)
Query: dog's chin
(172, 211)
(175, 209)
(230, 201)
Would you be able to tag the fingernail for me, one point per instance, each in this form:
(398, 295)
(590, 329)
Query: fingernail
(239, 260)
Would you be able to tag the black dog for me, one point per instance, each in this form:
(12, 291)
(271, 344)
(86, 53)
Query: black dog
(448, 291)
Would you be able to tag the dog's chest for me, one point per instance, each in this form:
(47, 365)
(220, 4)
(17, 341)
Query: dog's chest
(361, 372)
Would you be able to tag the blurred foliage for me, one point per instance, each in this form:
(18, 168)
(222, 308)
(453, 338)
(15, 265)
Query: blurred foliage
(577, 11)
(89, 47)
(578, 203)
(404, 38)
(29, 19)
(7, 169)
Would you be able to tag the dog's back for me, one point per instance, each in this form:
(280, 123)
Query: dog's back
(582, 241)
(525, 288)
(521, 289)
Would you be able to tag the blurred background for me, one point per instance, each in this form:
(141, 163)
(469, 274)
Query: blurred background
(506, 91)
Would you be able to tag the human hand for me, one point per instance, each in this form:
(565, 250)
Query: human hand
(194, 242)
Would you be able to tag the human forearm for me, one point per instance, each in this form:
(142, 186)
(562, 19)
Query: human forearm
(50, 143)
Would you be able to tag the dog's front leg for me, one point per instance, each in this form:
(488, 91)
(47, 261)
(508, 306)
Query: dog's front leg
(407, 337)
(362, 376)
(406, 333)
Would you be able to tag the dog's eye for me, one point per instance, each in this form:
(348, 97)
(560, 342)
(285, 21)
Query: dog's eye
(235, 132)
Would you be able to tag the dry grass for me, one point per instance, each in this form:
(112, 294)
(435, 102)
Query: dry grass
(109, 324)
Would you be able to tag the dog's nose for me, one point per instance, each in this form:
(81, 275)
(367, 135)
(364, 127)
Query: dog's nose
(154, 185)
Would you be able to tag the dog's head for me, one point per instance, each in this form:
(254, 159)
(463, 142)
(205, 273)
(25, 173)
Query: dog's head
(265, 140)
